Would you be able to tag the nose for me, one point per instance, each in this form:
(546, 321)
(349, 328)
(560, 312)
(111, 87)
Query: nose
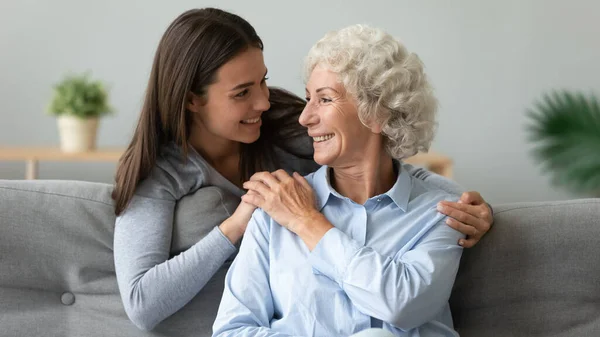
(308, 116)
(262, 101)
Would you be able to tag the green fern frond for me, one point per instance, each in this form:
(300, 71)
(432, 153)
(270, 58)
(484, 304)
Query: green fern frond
(565, 128)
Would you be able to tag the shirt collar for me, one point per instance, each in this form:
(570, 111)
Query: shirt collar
(399, 193)
(322, 187)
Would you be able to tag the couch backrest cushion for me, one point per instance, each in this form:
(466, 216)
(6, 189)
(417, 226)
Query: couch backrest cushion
(536, 273)
(57, 271)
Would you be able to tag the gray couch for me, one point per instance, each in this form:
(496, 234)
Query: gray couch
(535, 274)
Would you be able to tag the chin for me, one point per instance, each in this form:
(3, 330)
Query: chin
(249, 139)
(321, 160)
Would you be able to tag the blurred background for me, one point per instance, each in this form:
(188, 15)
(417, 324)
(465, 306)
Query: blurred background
(488, 61)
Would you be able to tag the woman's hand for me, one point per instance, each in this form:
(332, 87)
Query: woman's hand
(286, 199)
(290, 201)
(235, 226)
(471, 216)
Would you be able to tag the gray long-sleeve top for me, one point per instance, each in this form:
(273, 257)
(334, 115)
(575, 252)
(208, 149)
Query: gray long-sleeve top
(152, 284)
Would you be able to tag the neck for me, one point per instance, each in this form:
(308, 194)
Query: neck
(213, 149)
(222, 154)
(373, 175)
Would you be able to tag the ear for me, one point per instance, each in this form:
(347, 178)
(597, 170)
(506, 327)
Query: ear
(376, 127)
(372, 124)
(195, 102)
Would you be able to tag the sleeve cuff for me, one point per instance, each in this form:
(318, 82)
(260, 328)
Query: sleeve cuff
(333, 254)
(222, 240)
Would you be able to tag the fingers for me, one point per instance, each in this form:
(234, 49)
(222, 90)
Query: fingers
(256, 186)
(461, 219)
(266, 178)
(461, 227)
(472, 198)
(253, 199)
(479, 211)
(461, 213)
(257, 198)
(468, 243)
(272, 180)
(281, 175)
(302, 180)
(472, 234)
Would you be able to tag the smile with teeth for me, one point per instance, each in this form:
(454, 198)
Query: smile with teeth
(251, 121)
(319, 139)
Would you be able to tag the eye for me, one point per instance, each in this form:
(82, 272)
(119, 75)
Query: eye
(242, 94)
(264, 80)
(307, 99)
(325, 100)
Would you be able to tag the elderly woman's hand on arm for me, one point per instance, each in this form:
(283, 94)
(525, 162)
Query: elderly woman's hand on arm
(290, 201)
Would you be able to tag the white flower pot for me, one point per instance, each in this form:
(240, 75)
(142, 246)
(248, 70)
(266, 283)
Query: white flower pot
(77, 134)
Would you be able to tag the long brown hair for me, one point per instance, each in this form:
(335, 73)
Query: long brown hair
(192, 49)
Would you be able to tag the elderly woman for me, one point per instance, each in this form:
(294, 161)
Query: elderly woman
(358, 244)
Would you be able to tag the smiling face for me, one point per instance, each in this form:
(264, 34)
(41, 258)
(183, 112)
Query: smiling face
(331, 116)
(232, 107)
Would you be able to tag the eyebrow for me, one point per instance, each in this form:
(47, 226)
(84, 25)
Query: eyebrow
(247, 84)
(324, 88)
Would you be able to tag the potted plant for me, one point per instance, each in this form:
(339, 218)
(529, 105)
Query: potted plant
(78, 103)
(566, 129)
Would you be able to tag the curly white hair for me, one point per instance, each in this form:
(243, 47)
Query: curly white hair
(387, 81)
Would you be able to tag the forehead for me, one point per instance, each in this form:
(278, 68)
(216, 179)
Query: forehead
(323, 77)
(247, 66)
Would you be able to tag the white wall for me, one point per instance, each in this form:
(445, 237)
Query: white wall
(487, 59)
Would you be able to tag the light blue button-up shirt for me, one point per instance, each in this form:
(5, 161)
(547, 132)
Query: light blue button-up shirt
(388, 263)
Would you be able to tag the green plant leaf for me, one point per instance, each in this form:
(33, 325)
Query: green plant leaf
(78, 95)
(565, 128)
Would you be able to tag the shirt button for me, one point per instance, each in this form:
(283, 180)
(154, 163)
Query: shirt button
(67, 298)
(378, 199)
